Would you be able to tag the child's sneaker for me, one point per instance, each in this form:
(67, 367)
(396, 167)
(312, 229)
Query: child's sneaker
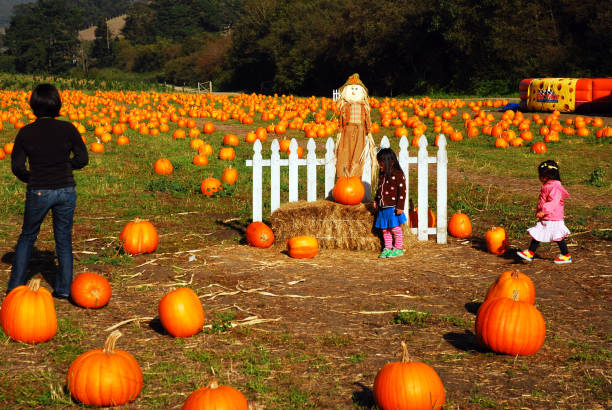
(563, 259)
(526, 254)
(385, 253)
(395, 252)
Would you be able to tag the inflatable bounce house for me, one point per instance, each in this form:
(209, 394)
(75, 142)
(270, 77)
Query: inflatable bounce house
(580, 95)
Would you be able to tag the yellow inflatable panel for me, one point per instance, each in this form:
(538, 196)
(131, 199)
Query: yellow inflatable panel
(549, 94)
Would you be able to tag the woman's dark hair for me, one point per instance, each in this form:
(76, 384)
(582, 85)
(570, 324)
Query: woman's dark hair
(45, 101)
(388, 158)
(549, 169)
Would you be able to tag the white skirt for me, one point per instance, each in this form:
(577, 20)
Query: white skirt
(547, 231)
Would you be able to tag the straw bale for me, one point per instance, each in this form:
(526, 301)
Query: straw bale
(334, 225)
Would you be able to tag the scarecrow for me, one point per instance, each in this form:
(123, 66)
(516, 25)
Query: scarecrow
(354, 141)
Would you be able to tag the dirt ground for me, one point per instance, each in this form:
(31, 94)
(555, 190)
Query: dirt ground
(342, 304)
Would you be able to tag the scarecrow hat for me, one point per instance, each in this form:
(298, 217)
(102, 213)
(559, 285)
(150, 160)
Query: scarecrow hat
(352, 80)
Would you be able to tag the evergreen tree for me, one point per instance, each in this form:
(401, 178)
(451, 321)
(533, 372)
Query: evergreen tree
(43, 36)
(102, 50)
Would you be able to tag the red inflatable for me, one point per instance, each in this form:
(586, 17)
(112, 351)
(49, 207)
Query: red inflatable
(581, 95)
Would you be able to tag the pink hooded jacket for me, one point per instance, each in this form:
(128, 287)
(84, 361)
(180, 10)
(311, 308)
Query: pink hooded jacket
(551, 201)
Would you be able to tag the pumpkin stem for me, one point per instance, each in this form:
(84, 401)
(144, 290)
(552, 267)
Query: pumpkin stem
(213, 384)
(515, 274)
(34, 284)
(109, 345)
(515, 295)
(405, 355)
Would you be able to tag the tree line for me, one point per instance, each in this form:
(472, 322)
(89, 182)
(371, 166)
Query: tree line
(311, 46)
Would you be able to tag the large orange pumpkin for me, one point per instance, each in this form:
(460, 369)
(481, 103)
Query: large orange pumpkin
(139, 236)
(303, 246)
(28, 313)
(348, 190)
(497, 240)
(510, 326)
(260, 235)
(459, 225)
(105, 377)
(408, 385)
(509, 281)
(181, 313)
(216, 397)
(90, 290)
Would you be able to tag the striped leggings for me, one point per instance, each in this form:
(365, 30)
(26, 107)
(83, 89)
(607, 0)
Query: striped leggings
(397, 234)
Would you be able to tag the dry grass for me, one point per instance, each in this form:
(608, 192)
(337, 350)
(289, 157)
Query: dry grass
(115, 25)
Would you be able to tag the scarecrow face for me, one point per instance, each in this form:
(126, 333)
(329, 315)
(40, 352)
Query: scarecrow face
(353, 93)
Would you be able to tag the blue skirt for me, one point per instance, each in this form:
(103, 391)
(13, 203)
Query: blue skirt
(387, 218)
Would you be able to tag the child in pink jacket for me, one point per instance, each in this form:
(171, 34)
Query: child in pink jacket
(550, 226)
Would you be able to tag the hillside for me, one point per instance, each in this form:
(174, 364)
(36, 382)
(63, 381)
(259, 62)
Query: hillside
(115, 25)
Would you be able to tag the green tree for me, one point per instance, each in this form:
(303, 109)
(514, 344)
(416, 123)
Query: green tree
(43, 36)
(102, 50)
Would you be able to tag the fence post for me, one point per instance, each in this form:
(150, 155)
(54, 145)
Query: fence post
(257, 182)
(311, 171)
(423, 177)
(274, 176)
(330, 168)
(442, 163)
(404, 160)
(293, 171)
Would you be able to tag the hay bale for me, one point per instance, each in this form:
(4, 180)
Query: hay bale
(334, 225)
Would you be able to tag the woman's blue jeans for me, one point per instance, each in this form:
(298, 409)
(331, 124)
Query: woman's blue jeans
(38, 202)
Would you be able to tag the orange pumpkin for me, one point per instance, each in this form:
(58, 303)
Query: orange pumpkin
(459, 225)
(230, 139)
(200, 160)
(28, 313)
(179, 133)
(348, 190)
(210, 185)
(163, 166)
(215, 396)
(209, 127)
(497, 240)
(538, 148)
(259, 234)
(206, 149)
(90, 290)
(413, 216)
(227, 153)
(139, 236)
(181, 313)
(105, 377)
(96, 147)
(303, 246)
(510, 326)
(122, 140)
(408, 385)
(509, 281)
(229, 176)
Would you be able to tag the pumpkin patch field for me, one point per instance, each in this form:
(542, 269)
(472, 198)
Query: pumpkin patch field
(202, 301)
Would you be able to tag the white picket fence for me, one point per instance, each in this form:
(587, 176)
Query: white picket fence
(329, 162)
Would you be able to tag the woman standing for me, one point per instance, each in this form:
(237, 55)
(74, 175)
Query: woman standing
(53, 149)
